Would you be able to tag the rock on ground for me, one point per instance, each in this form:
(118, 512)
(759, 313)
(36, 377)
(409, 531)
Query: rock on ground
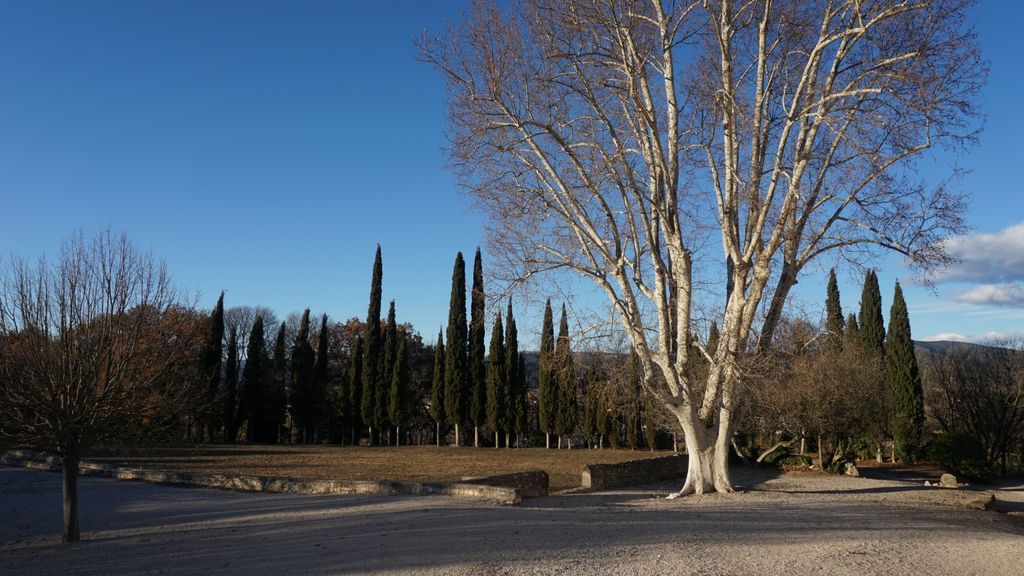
(795, 523)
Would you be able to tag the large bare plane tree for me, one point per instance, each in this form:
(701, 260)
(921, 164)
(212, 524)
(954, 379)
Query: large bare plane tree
(658, 148)
(94, 347)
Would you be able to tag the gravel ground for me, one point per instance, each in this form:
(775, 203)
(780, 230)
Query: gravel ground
(793, 523)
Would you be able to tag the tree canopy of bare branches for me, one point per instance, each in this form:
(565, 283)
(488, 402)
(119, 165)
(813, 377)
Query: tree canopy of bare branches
(622, 140)
(93, 347)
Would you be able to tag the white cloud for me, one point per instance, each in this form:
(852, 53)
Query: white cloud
(986, 258)
(1007, 294)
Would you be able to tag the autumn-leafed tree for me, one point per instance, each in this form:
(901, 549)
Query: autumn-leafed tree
(497, 381)
(230, 406)
(456, 370)
(478, 379)
(834, 325)
(400, 396)
(437, 386)
(567, 413)
(96, 346)
(904, 379)
(211, 362)
(301, 381)
(373, 352)
(612, 140)
(547, 383)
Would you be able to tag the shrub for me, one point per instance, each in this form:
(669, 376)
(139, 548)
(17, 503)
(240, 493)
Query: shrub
(961, 453)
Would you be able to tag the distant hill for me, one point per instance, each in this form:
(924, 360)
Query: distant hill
(929, 351)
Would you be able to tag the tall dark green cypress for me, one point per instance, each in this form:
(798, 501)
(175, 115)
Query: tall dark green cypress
(456, 351)
(870, 326)
(852, 336)
(399, 396)
(497, 373)
(301, 380)
(477, 367)
(321, 380)
(278, 399)
(437, 386)
(381, 419)
(372, 356)
(547, 386)
(229, 398)
(516, 412)
(565, 379)
(355, 390)
(254, 385)
(211, 359)
(834, 325)
(907, 415)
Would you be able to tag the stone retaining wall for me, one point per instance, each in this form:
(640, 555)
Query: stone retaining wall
(501, 494)
(531, 484)
(634, 472)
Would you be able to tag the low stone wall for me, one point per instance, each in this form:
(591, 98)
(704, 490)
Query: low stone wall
(501, 494)
(634, 472)
(531, 484)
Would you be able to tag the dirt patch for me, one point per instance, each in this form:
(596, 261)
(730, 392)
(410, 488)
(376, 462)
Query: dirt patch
(402, 463)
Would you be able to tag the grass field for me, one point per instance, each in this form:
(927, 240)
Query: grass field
(404, 463)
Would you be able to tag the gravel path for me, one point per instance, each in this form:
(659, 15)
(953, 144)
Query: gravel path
(794, 523)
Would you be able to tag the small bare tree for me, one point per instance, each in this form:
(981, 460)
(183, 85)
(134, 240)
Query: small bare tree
(92, 347)
(616, 138)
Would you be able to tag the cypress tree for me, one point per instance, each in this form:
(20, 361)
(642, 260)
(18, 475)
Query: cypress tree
(254, 381)
(355, 389)
(852, 336)
(547, 387)
(713, 338)
(589, 423)
(568, 408)
(230, 397)
(497, 374)
(381, 413)
(211, 358)
(277, 397)
(321, 380)
(398, 399)
(372, 353)
(437, 386)
(456, 360)
(602, 419)
(515, 414)
(302, 380)
(907, 419)
(833, 315)
(870, 326)
(477, 367)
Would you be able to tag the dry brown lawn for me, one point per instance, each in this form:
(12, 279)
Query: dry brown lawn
(404, 463)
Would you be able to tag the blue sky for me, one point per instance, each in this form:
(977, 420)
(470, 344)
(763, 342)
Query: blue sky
(265, 148)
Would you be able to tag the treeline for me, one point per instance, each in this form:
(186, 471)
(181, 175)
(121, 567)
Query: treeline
(376, 382)
(853, 389)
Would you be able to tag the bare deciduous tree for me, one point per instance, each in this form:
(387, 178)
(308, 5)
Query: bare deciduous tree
(92, 347)
(980, 391)
(617, 138)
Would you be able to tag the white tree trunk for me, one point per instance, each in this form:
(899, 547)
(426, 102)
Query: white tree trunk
(708, 450)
